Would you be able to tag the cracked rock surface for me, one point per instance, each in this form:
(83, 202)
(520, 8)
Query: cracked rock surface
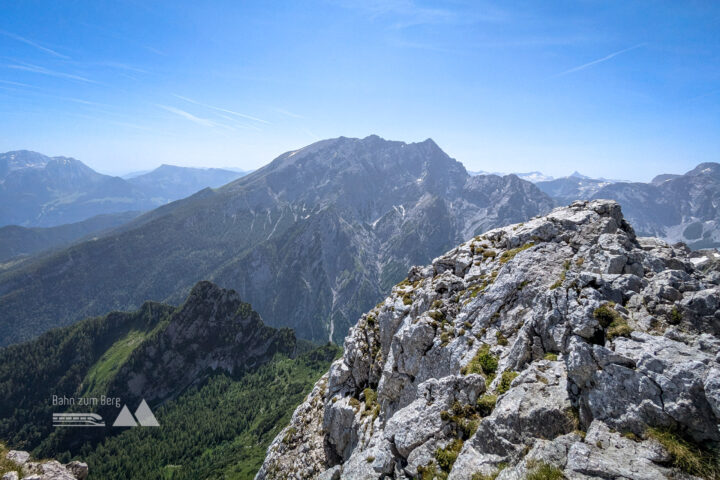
(560, 343)
(44, 469)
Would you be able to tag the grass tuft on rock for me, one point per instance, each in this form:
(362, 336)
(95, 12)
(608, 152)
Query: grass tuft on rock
(675, 316)
(687, 456)
(611, 320)
(543, 471)
(483, 363)
(486, 404)
(7, 466)
(446, 456)
(510, 254)
(507, 377)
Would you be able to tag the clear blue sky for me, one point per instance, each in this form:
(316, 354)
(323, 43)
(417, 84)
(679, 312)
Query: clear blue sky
(610, 88)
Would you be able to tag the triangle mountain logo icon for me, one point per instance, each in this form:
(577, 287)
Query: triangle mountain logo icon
(143, 414)
(125, 419)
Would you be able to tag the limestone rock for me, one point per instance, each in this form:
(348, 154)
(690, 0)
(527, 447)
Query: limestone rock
(44, 470)
(551, 344)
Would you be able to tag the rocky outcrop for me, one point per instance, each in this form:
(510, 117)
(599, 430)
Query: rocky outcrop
(562, 346)
(25, 469)
(212, 331)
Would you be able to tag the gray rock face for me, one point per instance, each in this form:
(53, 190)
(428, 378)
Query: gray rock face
(44, 470)
(558, 343)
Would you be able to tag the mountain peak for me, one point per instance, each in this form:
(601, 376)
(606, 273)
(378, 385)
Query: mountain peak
(577, 174)
(353, 171)
(707, 168)
(501, 350)
(212, 330)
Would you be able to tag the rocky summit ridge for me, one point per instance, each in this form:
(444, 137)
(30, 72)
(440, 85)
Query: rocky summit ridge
(562, 346)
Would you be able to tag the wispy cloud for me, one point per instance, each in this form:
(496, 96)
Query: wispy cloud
(33, 44)
(189, 116)
(52, 73)
(121, 66)
(599, 60)
(428, 46)
(288, 113)
(154, 50)
(310, 134)
(225, 110)
(84, 102)
(408, 13)
(237, 124)
(131, 125)
(17, 84)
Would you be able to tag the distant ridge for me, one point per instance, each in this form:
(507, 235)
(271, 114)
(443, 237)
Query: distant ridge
(311, 239)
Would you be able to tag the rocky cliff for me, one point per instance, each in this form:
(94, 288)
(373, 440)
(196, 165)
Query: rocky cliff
(564, 346)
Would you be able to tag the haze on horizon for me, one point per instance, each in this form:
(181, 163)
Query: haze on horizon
(612, 89)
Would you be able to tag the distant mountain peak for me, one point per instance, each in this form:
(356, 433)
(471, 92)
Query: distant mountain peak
(577, 174)
(706, 168)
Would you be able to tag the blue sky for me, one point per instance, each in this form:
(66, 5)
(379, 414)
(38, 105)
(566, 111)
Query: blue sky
(610, 88)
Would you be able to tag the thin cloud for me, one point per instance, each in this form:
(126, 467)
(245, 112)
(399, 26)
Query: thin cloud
(310, 134)
(131, 125)
(288, 113)
(242, 115)
(189, 116)
(599, 60)
(33, 44)
(121, 66)
(408, 13)
(235, 123)
(154, 50)
(84, 102)
(52, 73)
(17, 84)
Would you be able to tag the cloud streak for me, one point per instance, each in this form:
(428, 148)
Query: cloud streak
(27, 67)
(33, 44)
(189, 116)
(241, 115)
(599, 60)
(16, 84)
(288, 113)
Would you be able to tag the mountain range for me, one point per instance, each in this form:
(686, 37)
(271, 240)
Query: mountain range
(565, 344)
(41, 191)
(311, 240)
(677, 208)
(363, 210)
